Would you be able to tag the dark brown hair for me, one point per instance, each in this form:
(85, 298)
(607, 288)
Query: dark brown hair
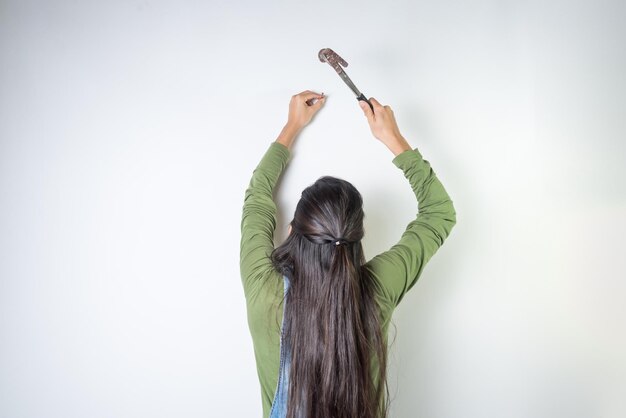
(332, 320)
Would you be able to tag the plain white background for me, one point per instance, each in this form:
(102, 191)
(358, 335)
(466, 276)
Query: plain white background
(129, 131)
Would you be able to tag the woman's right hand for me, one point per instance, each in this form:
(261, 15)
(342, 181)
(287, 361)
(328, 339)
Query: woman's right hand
(384, 127)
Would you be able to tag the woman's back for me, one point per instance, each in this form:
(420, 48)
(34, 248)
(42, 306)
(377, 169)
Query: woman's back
(336, 309)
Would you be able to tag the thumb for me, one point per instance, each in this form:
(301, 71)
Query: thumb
(319, 102)
(366, 109)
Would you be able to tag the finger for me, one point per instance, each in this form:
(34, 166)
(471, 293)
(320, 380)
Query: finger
(315, 100)
(308, 94)
(375, 103)
(367, 111)
(315, 103)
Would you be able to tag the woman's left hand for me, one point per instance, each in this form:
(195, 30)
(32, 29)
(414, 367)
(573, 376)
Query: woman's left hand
(301, 112)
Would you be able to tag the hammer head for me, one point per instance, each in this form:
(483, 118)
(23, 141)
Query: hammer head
(331, 57)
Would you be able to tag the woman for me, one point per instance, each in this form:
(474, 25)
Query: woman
(327, 356)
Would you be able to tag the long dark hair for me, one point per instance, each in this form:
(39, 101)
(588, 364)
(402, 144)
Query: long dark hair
(332, 321)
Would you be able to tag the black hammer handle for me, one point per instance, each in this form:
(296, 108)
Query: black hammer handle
(362, 97)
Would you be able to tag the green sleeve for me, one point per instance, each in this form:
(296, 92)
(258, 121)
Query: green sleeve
(258, 220)
(397, 269)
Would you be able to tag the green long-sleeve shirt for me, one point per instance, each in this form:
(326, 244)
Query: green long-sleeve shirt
(394, 271)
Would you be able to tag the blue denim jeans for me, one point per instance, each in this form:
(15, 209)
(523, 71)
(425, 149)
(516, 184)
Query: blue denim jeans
(279, 405)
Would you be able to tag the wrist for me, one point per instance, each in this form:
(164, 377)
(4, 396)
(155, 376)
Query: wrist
(292, 126)
(397, 145)
(288, 134)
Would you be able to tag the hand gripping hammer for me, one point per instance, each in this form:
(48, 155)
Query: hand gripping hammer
(335, 61)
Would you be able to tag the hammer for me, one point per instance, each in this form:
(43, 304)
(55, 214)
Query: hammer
(335, 61)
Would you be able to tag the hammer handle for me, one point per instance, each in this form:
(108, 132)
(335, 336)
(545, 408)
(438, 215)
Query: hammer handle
(362, 97)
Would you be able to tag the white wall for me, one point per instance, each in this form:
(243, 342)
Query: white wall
(129, 130)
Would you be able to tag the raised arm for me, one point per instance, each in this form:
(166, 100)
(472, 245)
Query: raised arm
(258, 220)
(397, 269)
